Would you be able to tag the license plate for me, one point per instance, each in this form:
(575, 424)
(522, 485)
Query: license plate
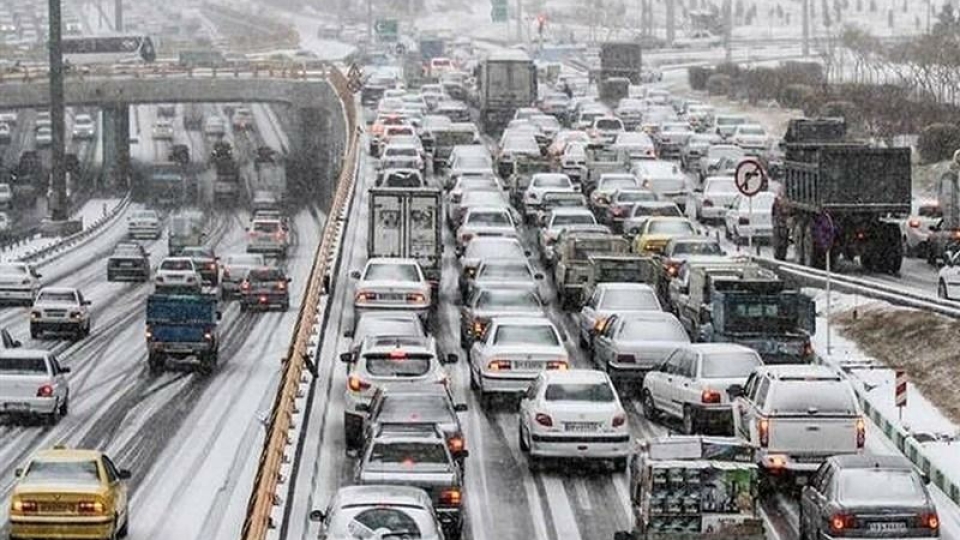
(58, 507)
(529, 365)
(581, 427)
(126, 265)
(390, 297)
(887, 526)
(15, 406)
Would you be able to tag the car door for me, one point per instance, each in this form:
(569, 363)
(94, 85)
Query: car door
(60, 387)
(741, 408)
(682, 379)
(588, 314)
(754, 408)
(604, 342)
(656, 381)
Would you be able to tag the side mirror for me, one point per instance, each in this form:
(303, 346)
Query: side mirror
(362, 407)
(289, 280)
(348, 333)
(463, 454)
(87, 302)
(317, 516)
(18, 472)
(65, 369)
(346, 357)
(124, 474)
(734, 391)
(527, 252)
(460, 407)
(355, 274)
(452, 358)
(38, 276)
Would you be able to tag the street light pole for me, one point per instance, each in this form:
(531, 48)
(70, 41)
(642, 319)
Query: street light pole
(58, 206)
(118, 16)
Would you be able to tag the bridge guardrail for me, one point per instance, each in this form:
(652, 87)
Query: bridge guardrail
(274, 454)
(298, 70)
(57, 249)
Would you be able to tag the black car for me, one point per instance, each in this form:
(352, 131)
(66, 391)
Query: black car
(264, 288)
(868, 497)
(128, 262)
(207, 263)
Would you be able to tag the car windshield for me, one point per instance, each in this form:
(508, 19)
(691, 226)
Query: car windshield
(813, 397)
(408, 454)
(397, 365)
(550, 181)
(387, 326)
(629, 299)
(62, 472)
(525, 334)
(144, 215)
(178, 265)
(587, 392)
(898, 487)
(573, 219)
(697, 248)
(729, 365)
(488, 218)
(502, 271)
(391, 272)
(23, 366)
(653, 330)
(508, 300)
(670, 226)
(56, 296)
(481, 249)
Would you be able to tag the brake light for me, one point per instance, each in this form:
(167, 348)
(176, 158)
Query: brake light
(930, 521)
(842, 522)
(619, 420)
(23, 507)
(498, 365)
(544, 420)
(451, 497)
(416, 298)
(626, 359)
(709, 396)
(281, 285)
(366, 296)
(763, 430)
(45, 390)
(90, 507)
(743, 220)
(455, 444)
(807, 348)
(212, 266)
(914, 223)
(559, 365)
(208, 336)
(245, 286)
(861, 432)
(398, 354)
(466, 237)
(356, 384)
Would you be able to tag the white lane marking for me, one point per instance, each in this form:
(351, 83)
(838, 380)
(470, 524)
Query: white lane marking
(564, 520)
(623, 495)
(583, 497)
(533, 497)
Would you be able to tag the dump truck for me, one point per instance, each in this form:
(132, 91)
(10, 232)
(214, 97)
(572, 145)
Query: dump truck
(182, 328)
(508, 81)
(838, 198)
(573, 269)
(408, 224)
(745, 304)
(621, 60)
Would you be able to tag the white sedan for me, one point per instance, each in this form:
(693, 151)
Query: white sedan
(573, 414)
(485, 221)
(948, 279)
(178, 273)
(392, 284)
(747, 218)
(19, 282)
(512, 352)
(541, 183)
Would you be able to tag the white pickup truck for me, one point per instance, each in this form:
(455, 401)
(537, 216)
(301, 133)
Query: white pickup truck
(797, 416)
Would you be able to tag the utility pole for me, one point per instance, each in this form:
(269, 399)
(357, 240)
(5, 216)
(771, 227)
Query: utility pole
(118, 16)
(519, 21)
(671, 21)
(58, 206)
(806, 27)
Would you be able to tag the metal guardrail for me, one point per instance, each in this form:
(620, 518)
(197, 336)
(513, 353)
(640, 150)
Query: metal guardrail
(274, 454)
(60, 247)
(310, 70)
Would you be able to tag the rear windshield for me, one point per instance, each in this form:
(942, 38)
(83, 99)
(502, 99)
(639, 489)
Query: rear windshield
(409, 152)
(647, 330)
(752, 131)
(729, 365)
(697, 248)
(730, 120)
(670, 227)
(505, 271)
(807, 397)
(900, 488)
(630, 300)
(408, 454)
(596, 392)
(551, 181)
(508, 300)
(609, 124)
(25, 366)
(177, 266)
(416, 409)
(266, 275)
(63, 472)
(527, 334)
(407, 366)
(489, 218)
(574, 219)
(383, 326)
(50, 296)
(392, 272)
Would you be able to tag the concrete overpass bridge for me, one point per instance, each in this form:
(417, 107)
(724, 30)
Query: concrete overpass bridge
(305, 100)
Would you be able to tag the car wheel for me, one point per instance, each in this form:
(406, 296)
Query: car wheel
(122, 533)
(689, 421)
(584, 344)
(521, 440)
(53, 418)
(156, 364)
(65, 407)
(649, 407)
(534, 463)
(243, 306)
(620, 464)
(473, 381)
(942, 290)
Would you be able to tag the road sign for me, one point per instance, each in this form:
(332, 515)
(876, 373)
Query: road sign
(750, 177)
(388, 30)
(824, 232)
(499, 13)
(354, 78)
(354, 72)
(900, 395)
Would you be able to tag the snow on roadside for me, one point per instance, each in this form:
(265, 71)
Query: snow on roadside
(88, 214)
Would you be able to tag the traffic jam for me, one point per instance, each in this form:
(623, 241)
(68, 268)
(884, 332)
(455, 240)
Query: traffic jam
(573, 261)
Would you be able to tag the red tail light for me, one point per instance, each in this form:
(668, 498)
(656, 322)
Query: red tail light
(25, 506)
(90, 507)
(212, 266)
(763, 431)
(559, 365)
(709, 396)
(366, 296)
(861, 432)
(544, 420)
(626, 359)
(619, 420)
(743, 220)
(281, 286)
(930, 521)
(245, 286)
(914, 223)
(45, 390)
(451, 497)
(466, 237)
(498, 365)
(842, 522)
(356, 384)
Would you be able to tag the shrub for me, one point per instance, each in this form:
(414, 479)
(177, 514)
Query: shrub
(794, 96)
(697, 77)
(719, 84)
(938, 142)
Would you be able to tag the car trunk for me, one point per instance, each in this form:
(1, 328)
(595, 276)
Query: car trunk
(581, 417)
(21, 385)
(60, 499)
(815, 435)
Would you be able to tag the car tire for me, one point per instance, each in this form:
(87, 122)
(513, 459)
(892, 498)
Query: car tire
(942, 290)
(620, 464)
(122, 533)
(521, 441)
(650, 411)
(53, 418)
(473, 381)
(584, 344)
(689, 421)
(65, 407)
(155, 363)
(34, 332)
(243, 307)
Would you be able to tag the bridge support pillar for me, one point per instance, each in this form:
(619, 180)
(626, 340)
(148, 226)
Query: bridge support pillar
(311, 153)
(116, 145)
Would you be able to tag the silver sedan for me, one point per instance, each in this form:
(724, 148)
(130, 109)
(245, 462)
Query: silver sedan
(628, 346)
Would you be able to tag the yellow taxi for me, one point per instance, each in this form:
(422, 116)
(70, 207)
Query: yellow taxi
(657, 231)
(69, 493)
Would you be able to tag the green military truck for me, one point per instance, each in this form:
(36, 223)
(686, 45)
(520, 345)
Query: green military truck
(573, 269)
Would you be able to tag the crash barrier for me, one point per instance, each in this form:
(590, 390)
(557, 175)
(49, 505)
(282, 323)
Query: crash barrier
(65, 244)
(277, 448)
(267, 69)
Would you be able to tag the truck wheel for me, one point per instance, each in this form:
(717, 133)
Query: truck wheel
(649, 407)
(893, 258)
(156, 363)
(816, 257)
(780, 243)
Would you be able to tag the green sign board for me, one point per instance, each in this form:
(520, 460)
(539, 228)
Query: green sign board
(499, 12)
(388, 30)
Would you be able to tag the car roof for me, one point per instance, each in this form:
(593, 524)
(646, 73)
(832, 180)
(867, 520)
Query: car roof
(20, 352)
(717, 348)
(67, 454)
(807, 371)
(59, 290)
(574, 376)
(858, 461)
(623, 286)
